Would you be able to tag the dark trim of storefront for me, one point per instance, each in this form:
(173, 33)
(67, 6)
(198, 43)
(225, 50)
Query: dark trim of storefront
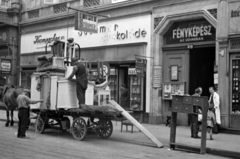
(117, 45)
(186, 45)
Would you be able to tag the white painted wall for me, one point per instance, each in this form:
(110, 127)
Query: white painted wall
(121, 31)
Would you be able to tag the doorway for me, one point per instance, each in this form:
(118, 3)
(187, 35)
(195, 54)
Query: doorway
(201, 69)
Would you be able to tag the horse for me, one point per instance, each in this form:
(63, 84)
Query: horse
(9, 97)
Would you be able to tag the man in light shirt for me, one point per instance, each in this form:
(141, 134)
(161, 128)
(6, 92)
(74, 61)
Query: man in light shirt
(23, 101)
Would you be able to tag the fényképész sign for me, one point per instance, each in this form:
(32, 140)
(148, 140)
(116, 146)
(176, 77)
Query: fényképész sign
(190, 31)
(86, 22)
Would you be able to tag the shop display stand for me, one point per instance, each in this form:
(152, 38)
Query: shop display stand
(188, 104)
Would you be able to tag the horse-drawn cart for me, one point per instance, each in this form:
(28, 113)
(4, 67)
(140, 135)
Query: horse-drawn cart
(60, 106)
(79, 127)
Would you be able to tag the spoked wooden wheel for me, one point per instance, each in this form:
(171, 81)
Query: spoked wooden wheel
(39, 125)
(79, 128)
(106, 131)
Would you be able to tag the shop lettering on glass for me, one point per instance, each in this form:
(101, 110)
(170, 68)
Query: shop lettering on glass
(119, 35)
(132, 71)
(5, 66)
(39, 40)
(192, 31)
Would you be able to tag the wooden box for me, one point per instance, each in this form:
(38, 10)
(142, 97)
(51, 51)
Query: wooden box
(67, 96)
(35, 94)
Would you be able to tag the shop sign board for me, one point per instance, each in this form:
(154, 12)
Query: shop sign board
(132, 71)
(170, 89)
(140, 66)
(6, 66)
(234, 17)
(86, 22)
(114, 32)
(235, 44)
(157, 76)
(190, 31)
(112, 71)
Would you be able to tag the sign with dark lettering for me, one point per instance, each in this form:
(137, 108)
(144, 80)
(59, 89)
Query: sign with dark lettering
(140, 66)
(234, 17)
(235, 44)
(190, 31)
(6, 66)
(86, 22)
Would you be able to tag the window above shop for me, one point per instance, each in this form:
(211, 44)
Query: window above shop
(5, 4)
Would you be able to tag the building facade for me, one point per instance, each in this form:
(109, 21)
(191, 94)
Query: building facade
(9, 42)
(183, 44)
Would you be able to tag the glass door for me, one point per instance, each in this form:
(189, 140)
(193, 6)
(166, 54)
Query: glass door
(235, 93)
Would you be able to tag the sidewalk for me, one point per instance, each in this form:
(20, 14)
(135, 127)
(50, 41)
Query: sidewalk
(223, 144)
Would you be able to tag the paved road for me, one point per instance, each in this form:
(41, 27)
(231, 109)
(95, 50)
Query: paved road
(55, 144)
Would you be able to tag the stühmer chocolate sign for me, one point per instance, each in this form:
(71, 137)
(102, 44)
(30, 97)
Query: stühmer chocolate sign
(190, 31)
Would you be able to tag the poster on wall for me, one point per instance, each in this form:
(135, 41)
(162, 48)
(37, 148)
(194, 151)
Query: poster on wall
(6, 66)
(157, 76)
(170, 89)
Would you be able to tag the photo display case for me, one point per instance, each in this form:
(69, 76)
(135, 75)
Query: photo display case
(235, 99)
(113, 84)
(136, 90)
(176, 88)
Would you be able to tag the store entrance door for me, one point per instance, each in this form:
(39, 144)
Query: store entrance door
(201, 69)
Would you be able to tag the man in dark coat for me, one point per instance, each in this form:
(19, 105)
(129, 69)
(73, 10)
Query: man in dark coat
(80, 72)
(194, 117)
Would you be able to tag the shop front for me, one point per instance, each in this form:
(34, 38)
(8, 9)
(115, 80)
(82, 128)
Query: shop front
(186, 43)
(191, 64)
(8, 51)
(234, 64)
(119, 43)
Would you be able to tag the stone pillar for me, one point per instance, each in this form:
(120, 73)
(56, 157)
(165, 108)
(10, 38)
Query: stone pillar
(155, 116)
(223, 61)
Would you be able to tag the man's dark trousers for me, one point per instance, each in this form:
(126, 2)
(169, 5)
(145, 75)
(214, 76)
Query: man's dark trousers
(80, 92)
(23, 121)
(194, 124)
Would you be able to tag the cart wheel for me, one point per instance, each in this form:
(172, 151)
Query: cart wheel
(79, 128)
(39, 125)
(106, 131)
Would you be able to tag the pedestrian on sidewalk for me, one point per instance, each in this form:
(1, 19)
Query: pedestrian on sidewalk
(23, 101)
(194, 125)
(211, 120)
(214, 101)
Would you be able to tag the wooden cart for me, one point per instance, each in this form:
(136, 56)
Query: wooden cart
(79, 127)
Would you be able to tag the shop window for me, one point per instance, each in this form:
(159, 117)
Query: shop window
(26, 79)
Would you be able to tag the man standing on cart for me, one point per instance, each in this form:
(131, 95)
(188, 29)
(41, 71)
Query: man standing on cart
(80, 72)
(23, 101)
